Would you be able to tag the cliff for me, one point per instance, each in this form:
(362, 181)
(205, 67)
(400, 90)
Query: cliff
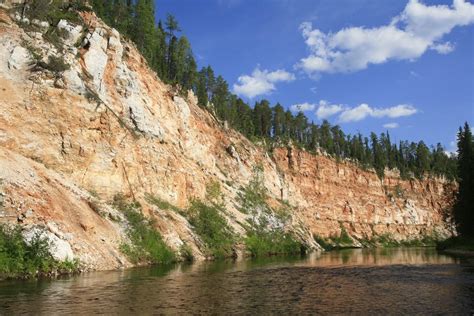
(71, 140)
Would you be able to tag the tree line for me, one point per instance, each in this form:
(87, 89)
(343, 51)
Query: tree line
(171, 57)
(464, 206)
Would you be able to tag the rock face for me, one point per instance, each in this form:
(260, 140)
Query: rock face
(116, 128)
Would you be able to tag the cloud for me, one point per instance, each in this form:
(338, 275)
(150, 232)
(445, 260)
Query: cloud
(302, 107)
(323, 110)
(364, 110)
(391, 125)
(261, 82)
(326, 110)
(443, 48)
(409, 35)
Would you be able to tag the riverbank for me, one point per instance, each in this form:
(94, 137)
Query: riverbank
(463, 246)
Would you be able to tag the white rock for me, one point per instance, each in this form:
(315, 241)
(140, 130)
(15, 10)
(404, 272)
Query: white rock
(116, 46)
(95, 60)
(73, 81)
(60, 249)
(19, 58)
(72, 32)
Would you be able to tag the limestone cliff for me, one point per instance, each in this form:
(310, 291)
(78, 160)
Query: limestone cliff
(70, 141)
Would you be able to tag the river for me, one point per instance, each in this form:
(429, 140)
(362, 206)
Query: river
(357, 281)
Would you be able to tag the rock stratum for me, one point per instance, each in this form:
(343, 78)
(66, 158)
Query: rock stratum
(70, 142)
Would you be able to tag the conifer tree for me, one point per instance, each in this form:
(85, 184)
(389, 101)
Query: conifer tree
(464, 207)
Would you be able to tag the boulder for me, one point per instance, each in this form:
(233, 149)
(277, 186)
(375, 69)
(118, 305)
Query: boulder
(60, 249)
(73, 81)
(72, 33)
(19, 58)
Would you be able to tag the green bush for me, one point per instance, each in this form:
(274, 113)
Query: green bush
(19, 259)
(213, 229)
(146, 243)
(343, 239)
(55, 64)
(272, 243)
(323, 242)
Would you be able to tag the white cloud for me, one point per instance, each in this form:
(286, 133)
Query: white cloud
(391, 125)
(260, 82)
(364, 110)
(326, 110)
(409, 35)
(302, 107)
(443, 48)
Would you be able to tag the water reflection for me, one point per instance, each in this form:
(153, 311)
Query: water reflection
(358, 280)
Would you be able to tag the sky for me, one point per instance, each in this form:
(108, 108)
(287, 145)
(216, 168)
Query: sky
(406, 66)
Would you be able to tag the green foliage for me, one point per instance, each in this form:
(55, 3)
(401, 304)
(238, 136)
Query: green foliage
(323, 242)
(264, 243)
(464, 205)
(55, 64)
(20, 259)
(53, 10)
(388, 241)
(343, 239)
(213, 191)
(162, 204)
(262, 239)
(146, 243)
(213, 229)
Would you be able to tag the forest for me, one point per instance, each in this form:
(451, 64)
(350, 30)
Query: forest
(170, 55)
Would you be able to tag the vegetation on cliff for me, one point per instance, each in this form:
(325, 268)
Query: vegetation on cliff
(146, 243)
(266, 234)
(20, 258)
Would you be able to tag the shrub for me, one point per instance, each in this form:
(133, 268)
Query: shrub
(272, 243)
(55, 64)
(19, 258)
(213, 229)
(343, 239)
(323, 242)
(146, 243)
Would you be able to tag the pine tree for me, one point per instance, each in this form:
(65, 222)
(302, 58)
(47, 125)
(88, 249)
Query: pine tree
(144, 28)
(464, 207)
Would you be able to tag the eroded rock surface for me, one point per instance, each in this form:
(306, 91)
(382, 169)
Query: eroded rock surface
(116, 128)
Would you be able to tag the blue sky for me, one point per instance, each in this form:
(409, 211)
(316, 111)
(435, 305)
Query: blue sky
(367, 65)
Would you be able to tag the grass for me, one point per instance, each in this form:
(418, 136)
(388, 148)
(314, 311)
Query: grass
(162, 204)
(213, 229)
(146, 243)
(21, 259)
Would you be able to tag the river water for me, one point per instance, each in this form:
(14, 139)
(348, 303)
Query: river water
(356, 281)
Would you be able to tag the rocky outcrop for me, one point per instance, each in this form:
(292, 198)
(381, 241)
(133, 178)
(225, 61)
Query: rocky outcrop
(114, 127)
